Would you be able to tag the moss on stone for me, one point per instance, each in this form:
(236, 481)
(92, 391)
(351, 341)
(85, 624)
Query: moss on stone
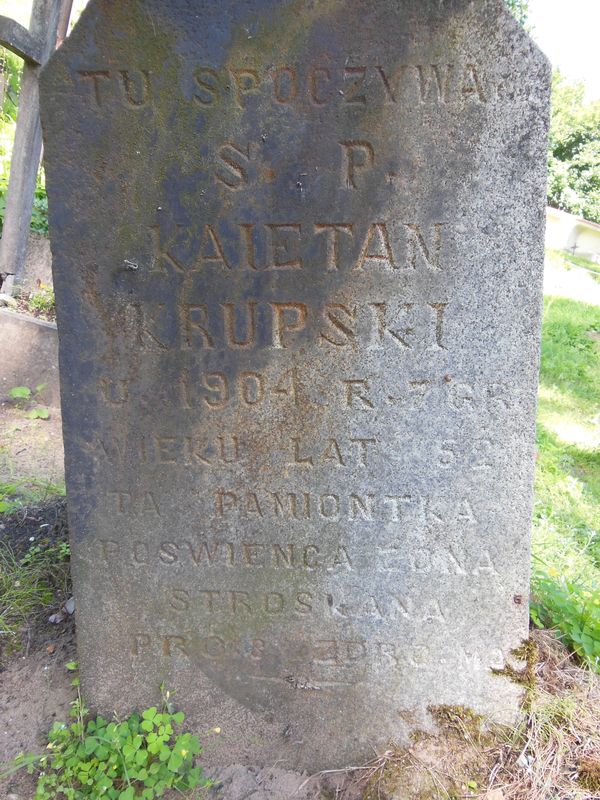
(589, 774)
(527, 652)
(459, 719)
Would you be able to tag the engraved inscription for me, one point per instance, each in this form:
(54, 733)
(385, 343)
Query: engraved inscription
(355, 451)
(330, 606)
(298, 351)
(162, 449)
(132, 87)
(400, 246)
(402, 556)
(286, 325)
(346, 85)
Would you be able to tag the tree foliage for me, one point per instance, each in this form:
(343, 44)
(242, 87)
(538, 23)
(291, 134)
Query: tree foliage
(10, 81)
(574, 157)
(520, 8)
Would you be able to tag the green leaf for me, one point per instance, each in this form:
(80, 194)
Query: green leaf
(129, 751)
(39, 413)
(149, 713)
(40, 387)
(165, 753)
(146, 725)
(128, 794)
(179, 717)
(20, 393)
(174, 762)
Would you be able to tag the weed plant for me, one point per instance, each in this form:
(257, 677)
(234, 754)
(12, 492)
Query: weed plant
(138, 758)
(41, 300)
(566, 536)
(23, 397)
(29, 586)
(27, 491)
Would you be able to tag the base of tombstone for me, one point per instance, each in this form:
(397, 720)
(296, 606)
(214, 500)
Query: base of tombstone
(262, 737)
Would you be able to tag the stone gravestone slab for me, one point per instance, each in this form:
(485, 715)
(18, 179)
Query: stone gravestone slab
(298, 255)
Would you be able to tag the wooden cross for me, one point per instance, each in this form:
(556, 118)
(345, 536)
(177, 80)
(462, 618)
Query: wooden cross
(48, 24)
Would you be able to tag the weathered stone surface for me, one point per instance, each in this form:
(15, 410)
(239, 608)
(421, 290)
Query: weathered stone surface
(297, 258)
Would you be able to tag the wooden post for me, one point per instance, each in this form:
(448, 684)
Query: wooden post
(63, 22)
(28, 143)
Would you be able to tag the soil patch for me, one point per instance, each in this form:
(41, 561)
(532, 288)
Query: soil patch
(30, 447)
(36, 692)
(44, 525)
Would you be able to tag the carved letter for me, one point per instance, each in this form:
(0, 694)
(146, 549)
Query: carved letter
(279, 255)
(341, 334)
(313, 81)
(383, 252)
(282, 324)
(430, 253)
(207, 79)
(137, 92)
(357, 157)
(233, 174)
(96, 76)
(195, 333)
(233, 341)
(284, 77)
(246, 81)
(333, 242)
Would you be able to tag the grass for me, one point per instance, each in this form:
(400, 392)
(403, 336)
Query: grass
(22, 492)
(36, 576)
(566, 533)
(29, 586)
(552, 754)
(567, 259)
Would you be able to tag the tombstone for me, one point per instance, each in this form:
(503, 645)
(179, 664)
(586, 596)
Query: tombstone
(298, 256)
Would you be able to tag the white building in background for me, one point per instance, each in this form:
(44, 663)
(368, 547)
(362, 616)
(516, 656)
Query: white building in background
(575, 234)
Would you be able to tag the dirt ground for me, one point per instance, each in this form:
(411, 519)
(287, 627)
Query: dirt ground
(30, 448)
